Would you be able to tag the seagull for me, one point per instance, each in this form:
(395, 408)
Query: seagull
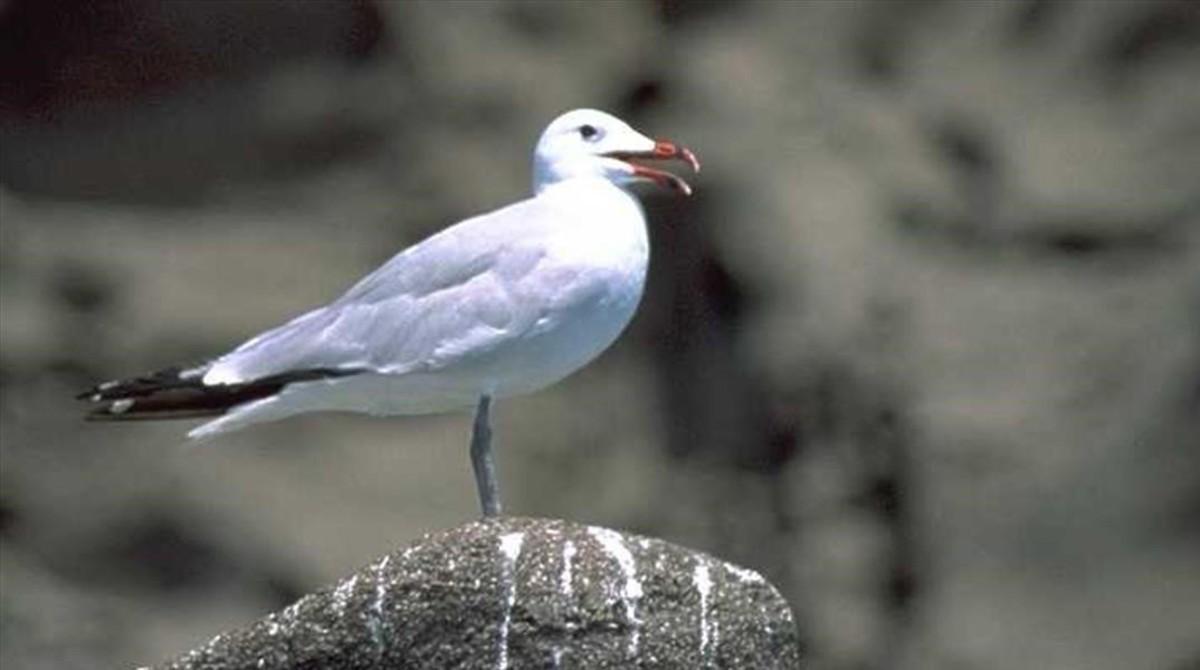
(501, 304)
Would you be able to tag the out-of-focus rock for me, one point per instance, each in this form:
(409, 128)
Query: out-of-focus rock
(525, 593)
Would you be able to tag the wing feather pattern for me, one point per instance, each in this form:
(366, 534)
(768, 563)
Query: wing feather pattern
(444, 298)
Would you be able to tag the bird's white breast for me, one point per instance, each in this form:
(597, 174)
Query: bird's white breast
(587, 286)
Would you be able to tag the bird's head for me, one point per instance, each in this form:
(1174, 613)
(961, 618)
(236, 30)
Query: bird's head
(591, 143)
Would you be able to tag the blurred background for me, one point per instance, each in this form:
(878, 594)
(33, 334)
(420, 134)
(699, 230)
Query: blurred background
(924, 349)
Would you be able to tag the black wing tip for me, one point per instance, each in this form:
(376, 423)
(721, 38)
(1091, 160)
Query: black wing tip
(122, 399)
(169, 394)
(108, 409)
(97, 393)
(133, 386)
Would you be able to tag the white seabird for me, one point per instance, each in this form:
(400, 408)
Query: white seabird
(503, 303)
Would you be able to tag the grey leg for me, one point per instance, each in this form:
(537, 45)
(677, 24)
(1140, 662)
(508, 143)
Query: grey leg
(482, 461)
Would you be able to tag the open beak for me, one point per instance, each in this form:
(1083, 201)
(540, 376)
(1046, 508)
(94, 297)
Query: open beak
(662, 151)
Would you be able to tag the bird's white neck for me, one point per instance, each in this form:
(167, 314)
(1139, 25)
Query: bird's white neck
(572, 183)
(590, 191)
(547, 174)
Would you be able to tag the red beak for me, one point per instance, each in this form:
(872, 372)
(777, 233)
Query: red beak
(663, 151)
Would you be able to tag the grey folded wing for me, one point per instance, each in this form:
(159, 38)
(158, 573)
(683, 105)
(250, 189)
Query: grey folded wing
(433, 304)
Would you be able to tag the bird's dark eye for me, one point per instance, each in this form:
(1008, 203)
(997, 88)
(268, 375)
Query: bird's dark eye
(588, 132)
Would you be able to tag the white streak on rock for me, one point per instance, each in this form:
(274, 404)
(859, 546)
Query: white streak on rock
(556, 657)
(744, 575)
(375, 616)
(631, 592)
(707, 630)
(341, 596)
(567, 557)
(510, 546)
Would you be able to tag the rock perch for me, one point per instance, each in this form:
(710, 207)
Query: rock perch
(524, 593)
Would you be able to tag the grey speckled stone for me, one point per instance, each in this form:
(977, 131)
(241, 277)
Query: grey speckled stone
(525, 593)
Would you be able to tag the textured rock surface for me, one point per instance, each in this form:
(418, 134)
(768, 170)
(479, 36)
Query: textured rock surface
(525, 593)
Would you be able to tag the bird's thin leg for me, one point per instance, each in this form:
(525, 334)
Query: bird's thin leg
(482, 460)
